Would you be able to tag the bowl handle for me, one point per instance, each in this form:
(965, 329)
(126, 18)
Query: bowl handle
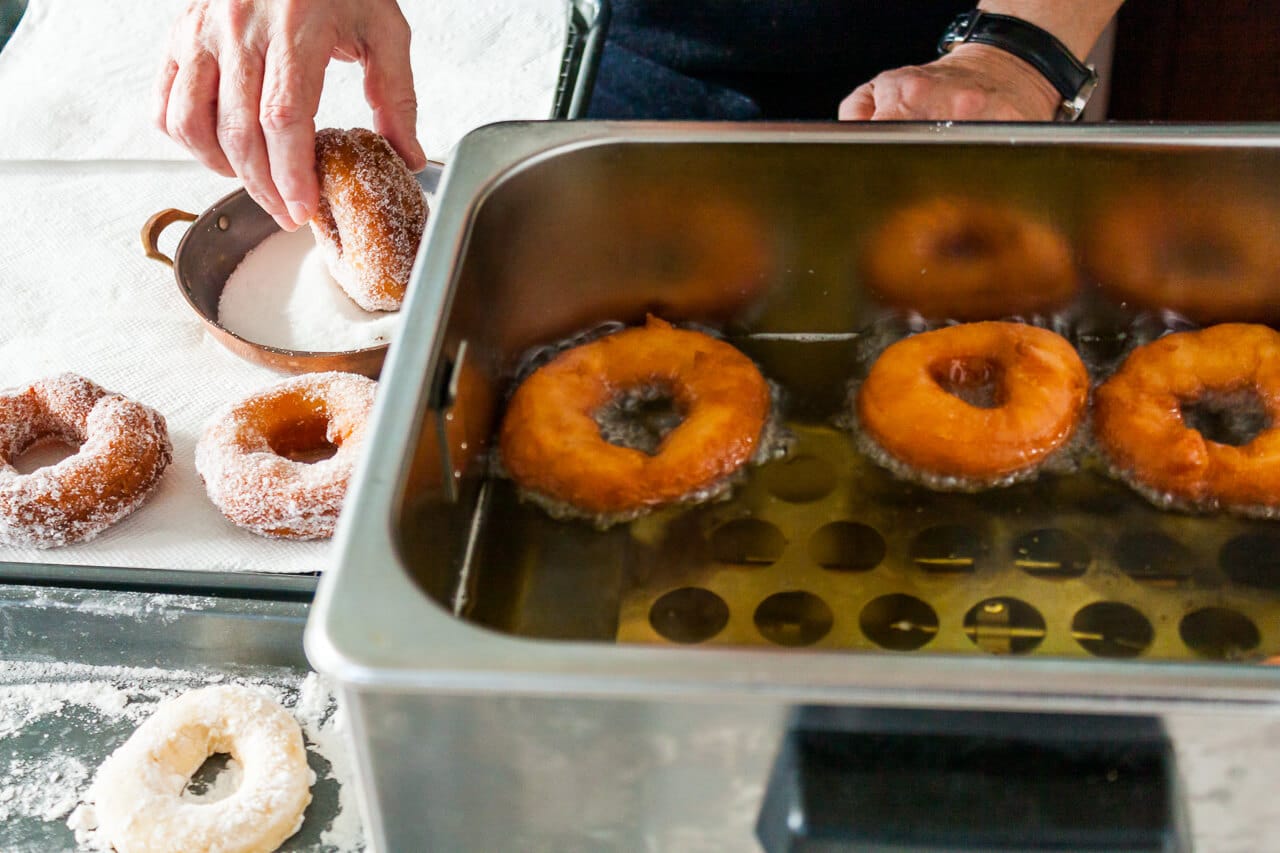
(155, 227)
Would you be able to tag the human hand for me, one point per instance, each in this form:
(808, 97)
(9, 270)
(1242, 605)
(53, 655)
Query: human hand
(241, 85)
(974, 82)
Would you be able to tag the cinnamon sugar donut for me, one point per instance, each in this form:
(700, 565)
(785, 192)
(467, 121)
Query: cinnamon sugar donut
(370, 218)
(1225, 380)
(974, 405)
(552, 444)
(253, 454)
(1208, 258)
(123, 449)
(137, 791)
(964, 259)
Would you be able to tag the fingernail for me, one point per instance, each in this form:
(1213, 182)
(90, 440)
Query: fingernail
(419, 158)
(298, 211)
(285, 223)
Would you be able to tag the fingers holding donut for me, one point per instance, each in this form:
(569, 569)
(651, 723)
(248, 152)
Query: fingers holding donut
(240, 85)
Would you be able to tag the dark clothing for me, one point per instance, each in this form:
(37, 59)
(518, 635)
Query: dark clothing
(745, 59)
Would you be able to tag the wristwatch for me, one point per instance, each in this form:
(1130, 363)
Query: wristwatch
(1074, 80)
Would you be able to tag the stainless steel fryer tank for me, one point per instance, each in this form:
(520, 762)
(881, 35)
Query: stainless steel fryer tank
(521, 683)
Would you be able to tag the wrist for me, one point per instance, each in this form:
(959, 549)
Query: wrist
(1076, 24)
(1033, 86)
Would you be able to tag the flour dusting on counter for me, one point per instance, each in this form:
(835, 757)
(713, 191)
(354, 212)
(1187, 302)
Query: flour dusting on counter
(59, 721)
(282, 295)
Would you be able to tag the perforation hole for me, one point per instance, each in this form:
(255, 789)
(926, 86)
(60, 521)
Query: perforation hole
(689, 615)
(43, 454)
(1154, 558)
(747, 542)
(1109, 629)
(845, 546)
(793, 618)
(1219, 633)
(1252, 560)
(799, 479)
(1052, 554)
(898, 622)
(1004, 626)
(948, 549)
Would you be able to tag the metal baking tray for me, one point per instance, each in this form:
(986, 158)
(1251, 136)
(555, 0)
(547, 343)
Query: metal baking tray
(144, 644)
(823, 580)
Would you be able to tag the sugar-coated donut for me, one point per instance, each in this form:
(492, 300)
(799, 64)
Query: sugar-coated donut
(1208, 258)
(1143, 419)
(975, 405)
(137, 791)
(252, 455)
(123, 449)
(551, 441)
(370, 218)
(964, 259)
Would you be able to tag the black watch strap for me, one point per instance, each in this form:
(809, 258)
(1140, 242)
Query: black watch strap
(1074, 80)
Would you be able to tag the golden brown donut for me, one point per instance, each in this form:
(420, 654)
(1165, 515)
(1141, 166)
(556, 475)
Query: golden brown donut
(253, 455)
(1208, 258)
(964, 259)
(974, 405)
(551, 442)
(1141, 418)
(370, 218)
(123, 449)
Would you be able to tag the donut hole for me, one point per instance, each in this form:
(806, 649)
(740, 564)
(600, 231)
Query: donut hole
(303, 440)
(968, 242)
(640, 418)
(1234, 417)
(216, 779)
(976, 380)
(44, 453)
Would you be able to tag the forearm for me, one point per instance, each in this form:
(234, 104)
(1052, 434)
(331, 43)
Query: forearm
(1075, 23)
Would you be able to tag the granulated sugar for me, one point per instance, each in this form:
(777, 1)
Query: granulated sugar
(59, 721)
(282, 295)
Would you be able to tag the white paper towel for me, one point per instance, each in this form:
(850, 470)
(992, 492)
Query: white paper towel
(76, 79)
(78, 293)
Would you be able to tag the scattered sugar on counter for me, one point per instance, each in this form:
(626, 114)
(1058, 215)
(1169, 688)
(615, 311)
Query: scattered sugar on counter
(282, 295)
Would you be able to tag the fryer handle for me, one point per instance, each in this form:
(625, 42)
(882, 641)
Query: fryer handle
(909, 780)
(155, 227)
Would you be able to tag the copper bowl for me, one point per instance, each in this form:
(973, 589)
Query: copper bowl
(211, 249)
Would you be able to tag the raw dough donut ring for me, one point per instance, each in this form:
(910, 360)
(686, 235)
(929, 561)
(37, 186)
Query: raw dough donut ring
(246, 455)
(370, 218)
(1209, 259)
(123, 449)
(551, 442)
(138, 788)
(972, 406)
(963, 259)
(1141, 419)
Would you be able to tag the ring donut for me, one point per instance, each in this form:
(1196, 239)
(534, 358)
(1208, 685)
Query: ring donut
(975, 405)
(123, 449)
(964, 259)
(370, 218)
(137, 791)
(1208, 259)
(1227, 377)
(551, 442)
(254, 455)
